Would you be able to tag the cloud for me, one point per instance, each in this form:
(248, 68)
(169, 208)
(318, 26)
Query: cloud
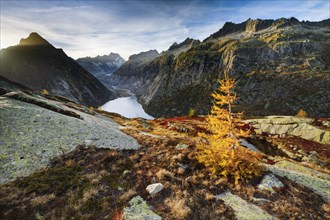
(90, 28)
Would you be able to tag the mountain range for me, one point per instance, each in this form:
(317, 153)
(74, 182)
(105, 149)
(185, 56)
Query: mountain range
(280, 66)
(38, 65)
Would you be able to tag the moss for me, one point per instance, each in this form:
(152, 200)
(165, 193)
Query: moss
(56, 180)
(92, 206)
(112, 180)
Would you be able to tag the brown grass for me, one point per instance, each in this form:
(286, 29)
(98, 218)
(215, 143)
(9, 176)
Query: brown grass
(178, 207)
(163, 174)
(42, 199)
(127, 195)
(69, 163)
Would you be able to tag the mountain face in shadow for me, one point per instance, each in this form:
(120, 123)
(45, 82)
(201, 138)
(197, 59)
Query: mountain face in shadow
(280, 65)
(38, 65)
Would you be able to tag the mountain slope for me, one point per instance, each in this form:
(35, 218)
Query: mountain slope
(280, 66)
(38, 65)
(131, 73)
(102, 66)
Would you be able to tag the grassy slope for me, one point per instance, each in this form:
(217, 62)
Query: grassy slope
(92, 183)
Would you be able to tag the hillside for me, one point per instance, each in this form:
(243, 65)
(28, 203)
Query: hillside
(102, 67)
(132, 74)
(72, 162)
(38, 65)
(280, 66)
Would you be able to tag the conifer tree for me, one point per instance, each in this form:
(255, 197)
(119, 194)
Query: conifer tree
(220, 149)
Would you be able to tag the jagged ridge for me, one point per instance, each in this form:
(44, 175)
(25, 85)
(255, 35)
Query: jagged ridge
(281, 66)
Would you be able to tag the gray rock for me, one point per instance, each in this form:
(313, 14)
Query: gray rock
(181, 146)
(269, 182)
(138, 209)
(319, 182)
(260, 201)
(50, 135)
(155, 188)
(244, 210)
(289, 125)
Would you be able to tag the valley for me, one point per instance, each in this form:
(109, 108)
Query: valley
(107, 138)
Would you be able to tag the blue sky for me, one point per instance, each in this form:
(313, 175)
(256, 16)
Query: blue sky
(90, 28)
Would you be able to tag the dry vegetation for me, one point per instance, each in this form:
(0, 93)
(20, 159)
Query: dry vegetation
(220, 147)
(92, 183)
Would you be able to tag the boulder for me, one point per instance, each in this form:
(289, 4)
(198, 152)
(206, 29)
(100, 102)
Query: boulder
(319, 182)
(269, 182)
(155, 188)
(138, 209)
(244, 210)
(181, 146)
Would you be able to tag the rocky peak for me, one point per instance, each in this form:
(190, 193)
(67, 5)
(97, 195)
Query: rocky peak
(282, 22)
(34, 39)
(144, 56)
(115, 56)
(187, 42)
(253, 25)
(175, 49)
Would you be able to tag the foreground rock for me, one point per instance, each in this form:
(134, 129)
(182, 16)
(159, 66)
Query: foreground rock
(98, 183)
(244, 210)
(269, 182)
(155, 188)
(138, 209)
(319, 182)
(31, 135)
(289, 125)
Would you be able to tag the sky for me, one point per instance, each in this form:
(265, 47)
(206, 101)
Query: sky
(98, 27)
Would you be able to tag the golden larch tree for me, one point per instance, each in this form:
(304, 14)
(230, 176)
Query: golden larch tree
(220, 148)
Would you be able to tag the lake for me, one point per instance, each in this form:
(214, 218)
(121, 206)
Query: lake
(127, 107)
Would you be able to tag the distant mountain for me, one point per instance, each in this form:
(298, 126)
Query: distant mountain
(131, 73)
(280, 66)
(102, 66)
(36, 64)
(141, 69)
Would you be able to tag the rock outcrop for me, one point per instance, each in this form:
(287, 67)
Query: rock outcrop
(139, 209)
(295, 126)
(35, 129)
(280, 66)
(38, 65)
(244, 210)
